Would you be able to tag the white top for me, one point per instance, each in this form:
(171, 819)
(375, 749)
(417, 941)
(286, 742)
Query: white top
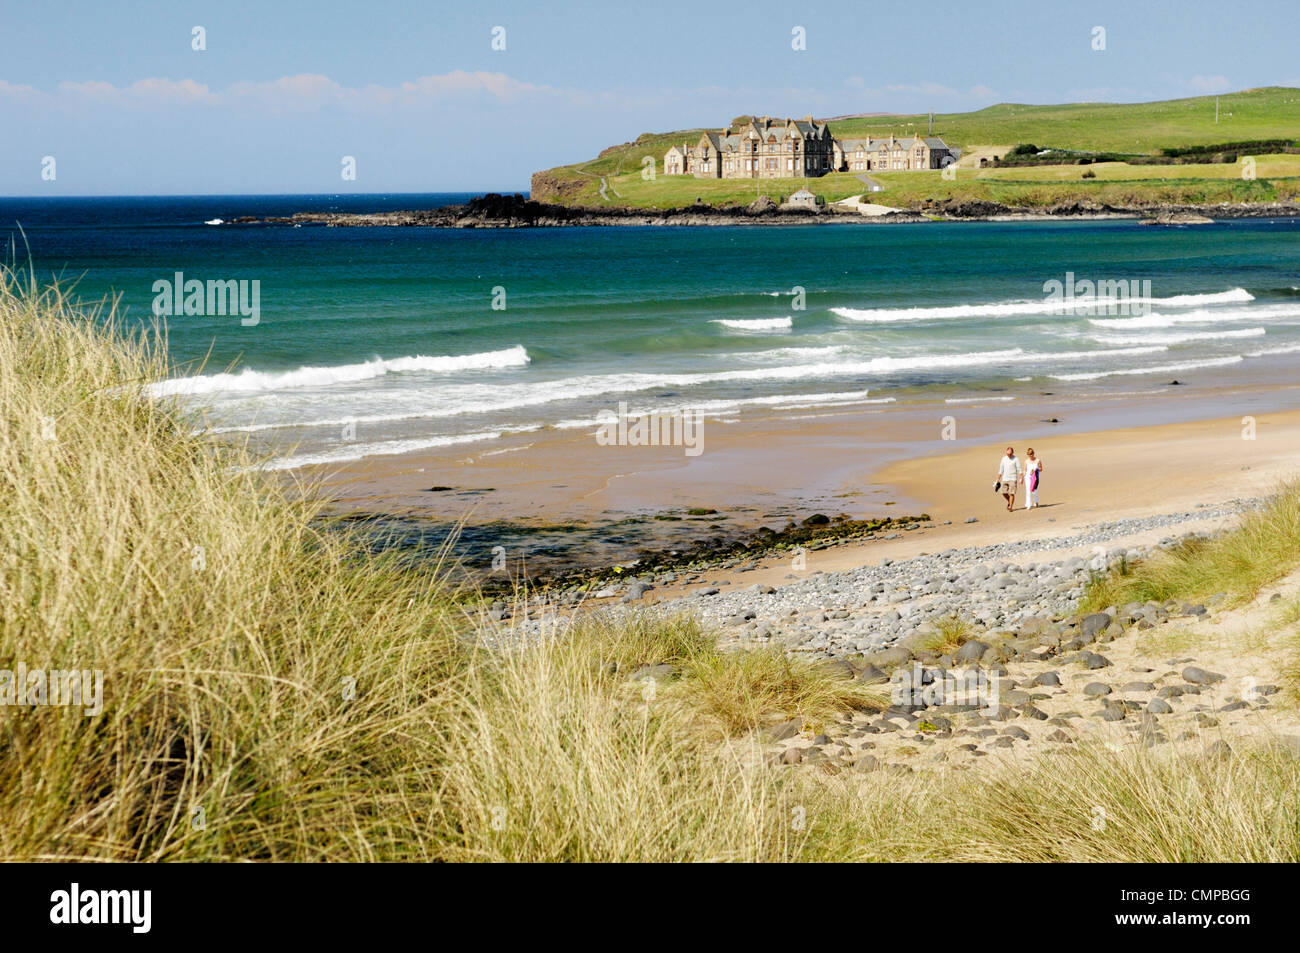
(1009, 469)
(1033, 464)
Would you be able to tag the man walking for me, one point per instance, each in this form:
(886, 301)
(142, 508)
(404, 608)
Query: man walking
(1009, 477)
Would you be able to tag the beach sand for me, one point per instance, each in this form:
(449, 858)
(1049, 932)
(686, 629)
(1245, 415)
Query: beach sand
(872, 461)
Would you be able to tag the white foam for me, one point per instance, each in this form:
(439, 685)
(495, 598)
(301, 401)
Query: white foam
(1159, 369)
(1174, 338)
(715, 408)
(976, 400)
(386, 448)
(755, 324)
(479, 400)
(1235, 296)
(1195, 317)
(1270, 351)
(891, 315)
(251, 381)
(1029, 307)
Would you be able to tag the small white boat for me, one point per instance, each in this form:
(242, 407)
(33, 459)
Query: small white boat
(215, 221)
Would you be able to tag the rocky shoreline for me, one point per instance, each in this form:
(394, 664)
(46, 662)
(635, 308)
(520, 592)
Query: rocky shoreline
(515, 211)
(869, 609)
(972, 655)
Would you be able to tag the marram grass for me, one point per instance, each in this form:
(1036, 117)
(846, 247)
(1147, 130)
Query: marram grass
(1263, 547)
(273, 692)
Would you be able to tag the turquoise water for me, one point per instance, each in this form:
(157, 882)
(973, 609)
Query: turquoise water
(391, 334)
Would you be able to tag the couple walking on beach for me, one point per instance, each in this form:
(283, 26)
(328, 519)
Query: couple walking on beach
(1011, 474)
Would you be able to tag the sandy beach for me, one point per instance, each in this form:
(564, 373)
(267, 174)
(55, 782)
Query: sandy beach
(866, 462)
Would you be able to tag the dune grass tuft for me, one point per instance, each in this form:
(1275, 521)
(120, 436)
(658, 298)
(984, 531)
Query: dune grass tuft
(1264, 546)
(739, 689)
(950, 633)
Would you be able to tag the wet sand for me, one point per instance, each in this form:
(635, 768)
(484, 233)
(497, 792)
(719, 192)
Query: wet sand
(862, 461)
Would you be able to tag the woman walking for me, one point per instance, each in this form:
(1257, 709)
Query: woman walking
(1033, 470)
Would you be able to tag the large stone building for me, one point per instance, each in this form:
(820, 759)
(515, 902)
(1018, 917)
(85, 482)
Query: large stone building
(766, 148)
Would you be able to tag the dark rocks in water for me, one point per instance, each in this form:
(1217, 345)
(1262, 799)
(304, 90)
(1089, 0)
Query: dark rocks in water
(439, 489)
(972, 208)
(1177, 218)
(1175, 383)
(817, 519)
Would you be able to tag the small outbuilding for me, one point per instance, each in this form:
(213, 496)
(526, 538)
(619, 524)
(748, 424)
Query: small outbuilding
(802, 199)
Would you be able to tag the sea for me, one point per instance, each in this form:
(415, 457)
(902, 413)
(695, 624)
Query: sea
(416, 338)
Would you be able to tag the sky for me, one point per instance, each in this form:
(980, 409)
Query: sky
(423, 98)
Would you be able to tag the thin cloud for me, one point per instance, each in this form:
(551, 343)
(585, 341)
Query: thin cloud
(304, 92)
(1210, 84)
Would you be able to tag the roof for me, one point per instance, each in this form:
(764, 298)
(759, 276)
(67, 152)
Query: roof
(763, 127)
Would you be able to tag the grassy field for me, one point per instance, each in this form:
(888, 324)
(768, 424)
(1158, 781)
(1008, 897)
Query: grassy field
(1115, 183)
(1139, 128)
(274, 693)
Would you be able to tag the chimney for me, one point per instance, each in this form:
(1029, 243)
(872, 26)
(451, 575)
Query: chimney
(808, 118)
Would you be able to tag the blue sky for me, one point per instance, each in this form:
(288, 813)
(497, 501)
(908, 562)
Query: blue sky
(115, 92)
